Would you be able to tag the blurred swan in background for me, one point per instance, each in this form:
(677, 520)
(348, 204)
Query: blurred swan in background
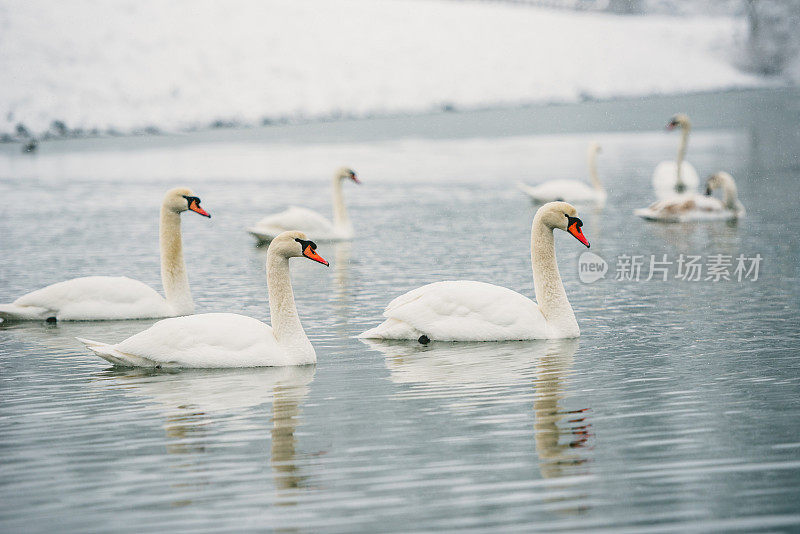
(686, 208)
(573, 191)
(214, 340)
(476, 311)
(310, 222)
(97, 298)
(677, 177)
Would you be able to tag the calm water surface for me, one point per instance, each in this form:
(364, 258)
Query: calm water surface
(678, 409)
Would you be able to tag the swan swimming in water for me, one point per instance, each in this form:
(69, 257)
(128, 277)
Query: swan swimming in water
(687, 208)
(573, 191)
(476, 311)
(677, 177)
(310, 222)
(216, 340)
(98, 298)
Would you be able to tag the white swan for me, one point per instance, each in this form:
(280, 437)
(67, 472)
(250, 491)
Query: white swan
(98, 298)
(677, 177)
(571, 190)
(477, 311)
(214, 340)
(310, 222)
(699, 207)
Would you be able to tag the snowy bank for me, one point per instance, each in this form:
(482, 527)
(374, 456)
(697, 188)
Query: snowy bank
(130, 65)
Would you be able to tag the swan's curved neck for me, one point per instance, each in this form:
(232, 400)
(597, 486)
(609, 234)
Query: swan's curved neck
(340, 218)
(730, 195)
(549, 289)
(173, 268)
(593, 170)
(283, 312)
(685, 129)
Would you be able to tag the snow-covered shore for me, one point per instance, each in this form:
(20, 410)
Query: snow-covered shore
(128, 65)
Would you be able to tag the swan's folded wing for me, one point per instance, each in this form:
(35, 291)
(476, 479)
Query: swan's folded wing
(685, 208)
(468, 311)
(709, 203)
(207, 340)
(296, 218)
(97, 297)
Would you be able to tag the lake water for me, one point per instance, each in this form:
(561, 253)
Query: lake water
(678, 409)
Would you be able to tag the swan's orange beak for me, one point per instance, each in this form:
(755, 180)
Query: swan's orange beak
(574, 228)
(195, 207)
(311, 254)
(355, 178)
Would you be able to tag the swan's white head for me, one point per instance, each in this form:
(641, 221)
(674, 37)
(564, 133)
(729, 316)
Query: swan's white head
(719, 180)
(182, 199)
(295, 244)
(595, 148)
(346, 173)
(680, 119)
(561, 215)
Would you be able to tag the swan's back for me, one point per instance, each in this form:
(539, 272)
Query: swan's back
(665, 176)
(685, 208)
(461, 310)
(210, 340)
(97, 297)
(566, 190)
(296, 218)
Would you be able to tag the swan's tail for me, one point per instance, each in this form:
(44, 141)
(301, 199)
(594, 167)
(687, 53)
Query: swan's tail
(263, 235)
(531, 192)
(13, 312)
(525, 188)
(113, 356)
(372, 333)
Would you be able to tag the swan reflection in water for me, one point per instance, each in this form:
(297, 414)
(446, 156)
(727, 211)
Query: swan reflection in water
(483, 373)
(559, 433)
(204, 408)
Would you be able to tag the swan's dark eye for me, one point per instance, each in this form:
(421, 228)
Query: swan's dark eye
(304, 243)
(573, 220)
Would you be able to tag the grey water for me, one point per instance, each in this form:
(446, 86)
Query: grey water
(678, 409)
